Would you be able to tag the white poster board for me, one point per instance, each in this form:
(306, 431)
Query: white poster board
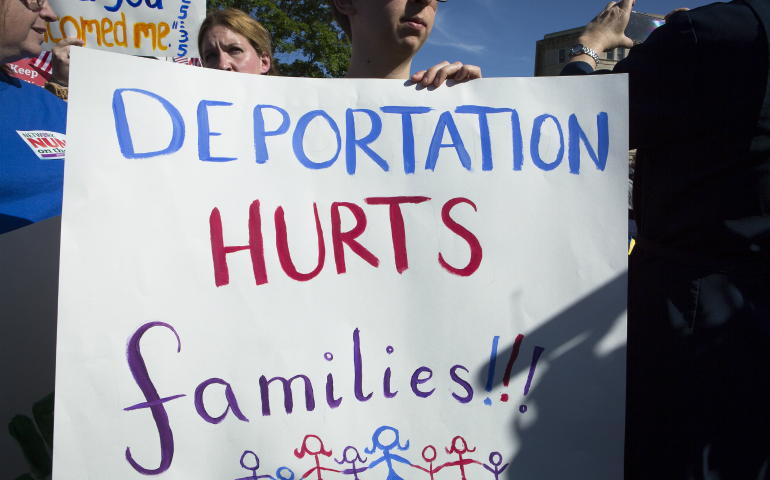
(340, 261)
(158, 28)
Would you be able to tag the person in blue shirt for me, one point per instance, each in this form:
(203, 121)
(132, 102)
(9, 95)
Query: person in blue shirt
(32, 123)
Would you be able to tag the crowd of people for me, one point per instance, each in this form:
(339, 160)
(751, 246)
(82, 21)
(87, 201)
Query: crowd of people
(699, 277)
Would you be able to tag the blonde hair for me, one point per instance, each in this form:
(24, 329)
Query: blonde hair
(242, 24)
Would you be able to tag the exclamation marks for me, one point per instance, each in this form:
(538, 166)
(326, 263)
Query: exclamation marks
(491, 373)
(535, 357)
(509, 367)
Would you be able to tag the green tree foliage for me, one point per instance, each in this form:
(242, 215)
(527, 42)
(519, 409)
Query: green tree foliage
(306, 41)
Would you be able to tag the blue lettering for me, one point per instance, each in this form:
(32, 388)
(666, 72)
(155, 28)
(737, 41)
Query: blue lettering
(260, 146)
(124, 135)
(446, 121)
(299, 136)
(351, 142)
(576, 134)
(407, 132)
(204, 132)
(534, 146)
(486, 143)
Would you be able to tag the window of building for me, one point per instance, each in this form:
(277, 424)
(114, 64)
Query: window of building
(621, 53)
(562, 55)
(611, 55)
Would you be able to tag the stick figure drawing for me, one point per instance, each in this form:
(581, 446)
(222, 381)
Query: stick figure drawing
(387, 456)
(497, 470)
(429, 455)
(355, 458)
(460, 450)
(253, 469)
(305, 449)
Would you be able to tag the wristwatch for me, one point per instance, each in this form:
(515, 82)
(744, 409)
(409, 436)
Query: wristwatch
(578, 48)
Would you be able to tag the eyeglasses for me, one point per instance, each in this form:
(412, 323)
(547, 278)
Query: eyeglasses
(38, 5)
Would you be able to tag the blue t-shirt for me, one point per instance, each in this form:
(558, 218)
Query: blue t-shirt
(32, 127)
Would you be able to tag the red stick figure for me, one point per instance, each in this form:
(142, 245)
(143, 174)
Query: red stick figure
(430, 460)
(305, 450)
(462, 462)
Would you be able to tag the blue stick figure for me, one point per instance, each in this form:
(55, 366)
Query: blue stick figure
(281, 477)
(253, 469)
(356, 458)
(497, 463)
(386, 455)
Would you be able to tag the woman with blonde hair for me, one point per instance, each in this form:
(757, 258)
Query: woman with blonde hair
(233, 41)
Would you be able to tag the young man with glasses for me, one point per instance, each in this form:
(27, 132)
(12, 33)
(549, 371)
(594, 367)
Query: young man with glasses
(387, 34)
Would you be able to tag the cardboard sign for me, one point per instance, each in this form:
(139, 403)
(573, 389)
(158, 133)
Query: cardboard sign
(161, 28)
(340, 279)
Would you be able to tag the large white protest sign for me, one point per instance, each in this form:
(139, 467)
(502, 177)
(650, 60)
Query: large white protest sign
(340, 279)
(160, 28)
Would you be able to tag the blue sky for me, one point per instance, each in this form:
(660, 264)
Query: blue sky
(500, 35)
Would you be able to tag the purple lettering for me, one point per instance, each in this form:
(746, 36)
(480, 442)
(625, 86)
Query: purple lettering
(288, 400)
(462, 383)
(358, 364)
(416, 380)
(333, 403)
(232, 403)
(386, 385)
(154, 402)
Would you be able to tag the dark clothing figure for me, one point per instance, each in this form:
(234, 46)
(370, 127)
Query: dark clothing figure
(698, 378)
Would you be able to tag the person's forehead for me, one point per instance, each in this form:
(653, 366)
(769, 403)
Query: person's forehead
(224, 35)
(221, 35)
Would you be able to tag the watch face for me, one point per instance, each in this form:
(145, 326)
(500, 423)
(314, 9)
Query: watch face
(578, 48)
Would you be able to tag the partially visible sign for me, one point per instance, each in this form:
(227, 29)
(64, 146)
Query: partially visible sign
(165, 28)
(22, 70)
(46, 145)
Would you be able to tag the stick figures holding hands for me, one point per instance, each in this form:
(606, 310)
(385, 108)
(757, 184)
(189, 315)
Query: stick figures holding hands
(305, 450)
(462, 462)
(429, 457)
(356, 458)
(497, 463)
(253, 469)
(387, 456)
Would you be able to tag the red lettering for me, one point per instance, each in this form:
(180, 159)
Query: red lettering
(339, 237)
(397, 225)
(466, 235)
(219, 251)
(282, 245)
(39, 142)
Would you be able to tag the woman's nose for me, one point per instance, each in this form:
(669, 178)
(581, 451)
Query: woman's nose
(224, 62)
